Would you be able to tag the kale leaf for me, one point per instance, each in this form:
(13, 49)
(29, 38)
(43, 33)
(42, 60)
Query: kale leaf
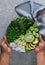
(17, 27)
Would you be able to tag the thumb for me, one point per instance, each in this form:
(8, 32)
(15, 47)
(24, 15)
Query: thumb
(4, 39)
(41, 39)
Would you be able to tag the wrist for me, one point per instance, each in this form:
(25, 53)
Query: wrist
(40, 58)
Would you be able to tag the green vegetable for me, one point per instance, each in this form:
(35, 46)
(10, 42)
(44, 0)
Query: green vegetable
(37, 35)
(35, 26)
(32, 45)
(31, 28)
(35, 41)
(22, 37)
(29, 37)
(34, 33)
(36, 30)
(27, 48)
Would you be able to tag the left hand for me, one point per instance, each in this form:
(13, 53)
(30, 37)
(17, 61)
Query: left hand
(5, 52)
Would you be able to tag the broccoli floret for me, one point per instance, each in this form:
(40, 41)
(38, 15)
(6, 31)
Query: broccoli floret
(37, 35)
(31, 28)
(36, 30)
(34, 25)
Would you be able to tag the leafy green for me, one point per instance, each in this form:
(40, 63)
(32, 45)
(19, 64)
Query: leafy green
(17, 27)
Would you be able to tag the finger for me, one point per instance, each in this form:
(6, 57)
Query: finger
(4, 38)
(3, 41)
(0, 44)
(41, 40)
(37, 49)
(0, 57)
(9, 50)
(41, 46)
(4, 48)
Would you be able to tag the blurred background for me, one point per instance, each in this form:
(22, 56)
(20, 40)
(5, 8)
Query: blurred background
(7, 13)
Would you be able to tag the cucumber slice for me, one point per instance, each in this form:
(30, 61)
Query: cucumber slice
(27, 48)
(35, 41)
(29, 38)
(32, 47)
(29, 45)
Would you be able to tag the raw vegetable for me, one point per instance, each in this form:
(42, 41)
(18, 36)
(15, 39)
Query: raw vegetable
(29, 37)
(35, 41)
(22, 33)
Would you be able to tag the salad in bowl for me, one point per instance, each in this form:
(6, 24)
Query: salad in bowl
(22, 34)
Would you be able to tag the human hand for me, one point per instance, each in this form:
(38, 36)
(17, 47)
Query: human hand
(40, 52)
(5, 52)
(41, 45)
